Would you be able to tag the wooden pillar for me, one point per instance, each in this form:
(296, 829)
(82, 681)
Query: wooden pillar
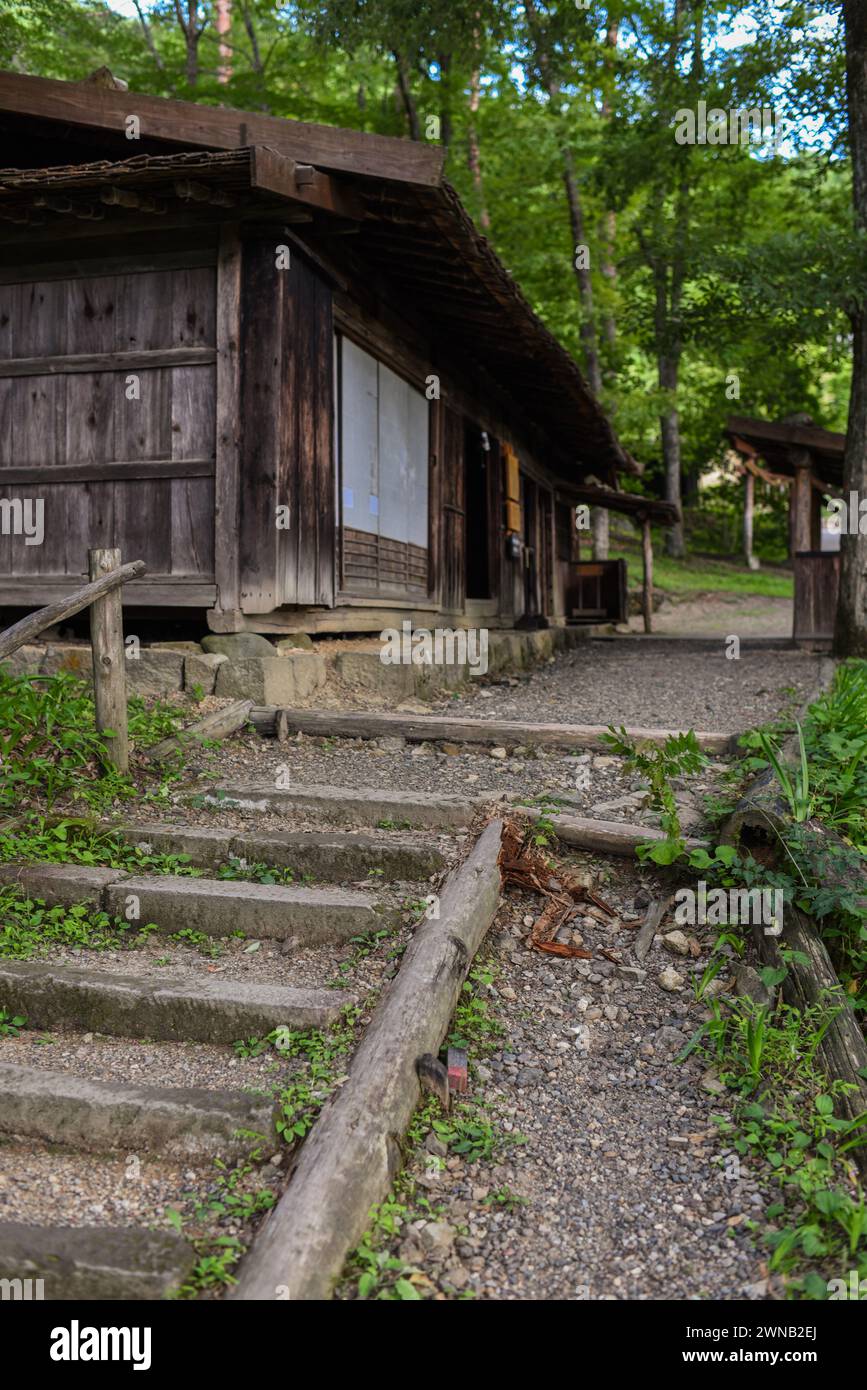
(109, 671)
(749, 506)
(816, 499)
(227, 617)
(647, 591)
(800, 502)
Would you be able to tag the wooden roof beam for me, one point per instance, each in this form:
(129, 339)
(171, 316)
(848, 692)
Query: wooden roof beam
(183, 123)
(277, 173)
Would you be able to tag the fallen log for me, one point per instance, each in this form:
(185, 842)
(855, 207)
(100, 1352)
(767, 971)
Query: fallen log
(420, 728)
(349, 1161)
(213, 727)
(813, 980)
(605, 836)
(758, 821)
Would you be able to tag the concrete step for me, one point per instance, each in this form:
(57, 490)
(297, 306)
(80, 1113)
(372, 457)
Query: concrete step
(92, 1263)
(58, 1107)
(202, 1009)
(334, 857)
(338, 805)
(304, 916)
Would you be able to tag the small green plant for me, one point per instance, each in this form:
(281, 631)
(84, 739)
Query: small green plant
(677, 757)
(794, 786)
(474, 1027)
(388, 824)
(11, 1024)
(255, 872)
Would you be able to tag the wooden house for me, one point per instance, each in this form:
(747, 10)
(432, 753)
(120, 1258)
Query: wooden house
(809, 462)
(277, 362)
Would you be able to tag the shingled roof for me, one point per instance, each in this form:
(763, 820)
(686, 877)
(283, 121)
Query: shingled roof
(415, 229)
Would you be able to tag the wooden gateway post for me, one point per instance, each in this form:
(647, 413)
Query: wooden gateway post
(109, 671)
(647, 589)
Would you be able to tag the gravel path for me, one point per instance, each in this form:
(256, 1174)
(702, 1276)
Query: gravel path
(659, 683)
(619, 1190)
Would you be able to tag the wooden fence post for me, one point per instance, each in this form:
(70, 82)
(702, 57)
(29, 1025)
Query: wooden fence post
(647, 588)
(109, 671)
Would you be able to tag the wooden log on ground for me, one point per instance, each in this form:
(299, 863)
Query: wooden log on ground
(843, 1050)
(349, 1161)
(420, 728)
(215, 726)
(31, 626)
(109, 670)
(605, 836)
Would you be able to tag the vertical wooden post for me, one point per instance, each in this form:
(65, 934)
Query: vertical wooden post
(228, 431)
(109, 671)
(749, 506)
(800, 501)
(647, 553)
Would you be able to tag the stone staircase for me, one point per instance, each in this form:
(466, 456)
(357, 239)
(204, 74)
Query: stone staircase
(84, 1109)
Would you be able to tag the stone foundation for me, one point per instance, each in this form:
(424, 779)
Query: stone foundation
(292, 671)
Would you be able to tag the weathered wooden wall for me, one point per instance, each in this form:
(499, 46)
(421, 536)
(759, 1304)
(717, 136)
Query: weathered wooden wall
(453, 518)
(107, 388)
(287, 452)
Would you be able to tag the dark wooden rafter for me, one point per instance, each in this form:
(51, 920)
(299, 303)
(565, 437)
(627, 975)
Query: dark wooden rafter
(149, 184)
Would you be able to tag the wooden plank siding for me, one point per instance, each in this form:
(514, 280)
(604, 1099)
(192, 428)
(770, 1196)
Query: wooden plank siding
(453, 518)
(111, 470)
(286, 439)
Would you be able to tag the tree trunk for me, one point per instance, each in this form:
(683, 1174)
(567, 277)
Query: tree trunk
(669, 425)
(223, 20)
(445, 62)
(406, 95)
(850, 637)
(609, 221)
(576, 210)
(474, 158)
(749, 508)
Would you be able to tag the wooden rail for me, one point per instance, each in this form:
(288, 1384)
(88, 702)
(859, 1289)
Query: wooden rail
(102, 595)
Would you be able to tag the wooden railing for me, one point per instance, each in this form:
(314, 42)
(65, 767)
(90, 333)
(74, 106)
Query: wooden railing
(102, 595)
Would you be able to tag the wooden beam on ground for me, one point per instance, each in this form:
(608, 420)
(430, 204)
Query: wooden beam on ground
(812, 980)
(349, 1160)
(419, 728)
(30, 627)
(109, 658)
(213, 727)
(604, 836)
(647, 586)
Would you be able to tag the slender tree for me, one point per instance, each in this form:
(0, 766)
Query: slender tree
(850, 637)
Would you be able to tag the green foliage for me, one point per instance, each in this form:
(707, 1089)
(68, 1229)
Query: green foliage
(302, 1096)
(50, 747)
(11, 1024)
(76, 840)
(679, 755)
(256, 872)
(474, 1028)
(28, 927)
